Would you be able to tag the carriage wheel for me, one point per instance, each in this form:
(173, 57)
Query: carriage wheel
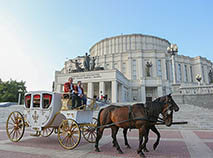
(69, 134)
(46, 132)
(15, 126)
(89, 131)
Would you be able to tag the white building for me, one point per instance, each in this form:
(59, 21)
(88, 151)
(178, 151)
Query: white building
(136, 68)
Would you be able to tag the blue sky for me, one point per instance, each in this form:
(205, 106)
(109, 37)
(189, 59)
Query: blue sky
(36, 37)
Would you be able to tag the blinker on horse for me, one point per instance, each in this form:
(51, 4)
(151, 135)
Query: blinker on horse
(116, 117)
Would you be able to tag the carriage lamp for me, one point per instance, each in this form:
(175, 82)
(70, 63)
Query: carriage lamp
(172, 49)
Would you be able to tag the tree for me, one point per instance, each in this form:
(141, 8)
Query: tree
(9, 90)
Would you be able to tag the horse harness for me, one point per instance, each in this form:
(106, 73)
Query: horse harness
(131, 116)
(148, 115)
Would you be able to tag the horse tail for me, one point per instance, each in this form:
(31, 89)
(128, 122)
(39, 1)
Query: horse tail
(106, 115)
(98, 122)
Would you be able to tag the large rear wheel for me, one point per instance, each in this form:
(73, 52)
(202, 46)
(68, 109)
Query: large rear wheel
(89, 131)
(15, 126)
(69, 134)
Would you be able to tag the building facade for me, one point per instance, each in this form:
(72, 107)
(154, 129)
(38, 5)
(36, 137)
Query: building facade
(136, 68)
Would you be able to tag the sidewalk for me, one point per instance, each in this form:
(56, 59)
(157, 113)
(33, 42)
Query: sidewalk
(174, 143)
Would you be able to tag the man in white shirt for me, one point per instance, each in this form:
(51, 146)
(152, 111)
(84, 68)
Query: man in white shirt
(81, 95)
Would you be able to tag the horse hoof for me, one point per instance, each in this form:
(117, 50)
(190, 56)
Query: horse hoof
(97, 150)
(155, 146)
(142, 155)
(129, 147)
(120, 151)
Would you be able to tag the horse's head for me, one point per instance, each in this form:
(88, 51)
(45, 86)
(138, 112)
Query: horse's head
(168, 108)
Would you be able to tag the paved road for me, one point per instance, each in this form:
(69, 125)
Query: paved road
(194, 140)
(174, 143)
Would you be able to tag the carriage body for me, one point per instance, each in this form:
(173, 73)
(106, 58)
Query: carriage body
(46, 109)
(47, 112)
(40, 108)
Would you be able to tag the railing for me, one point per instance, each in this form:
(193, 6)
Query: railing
(202, 89)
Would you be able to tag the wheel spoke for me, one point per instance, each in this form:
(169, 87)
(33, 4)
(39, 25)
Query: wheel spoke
(14, 134)
(64, 139)
(73, 140)
(13, 120)
(11, 131)
(18, 131)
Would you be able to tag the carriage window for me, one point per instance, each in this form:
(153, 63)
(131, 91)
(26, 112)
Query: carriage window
(36, 101)
(27, 100)
(47, 98)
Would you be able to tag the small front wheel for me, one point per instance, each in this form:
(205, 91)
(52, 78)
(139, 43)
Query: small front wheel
(15, 126)
(69, 134)
(89, 131)
(46, 132)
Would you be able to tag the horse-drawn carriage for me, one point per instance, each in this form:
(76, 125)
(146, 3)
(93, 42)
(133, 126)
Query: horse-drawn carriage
(47, 112)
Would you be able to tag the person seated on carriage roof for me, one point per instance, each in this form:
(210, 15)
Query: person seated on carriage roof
(69, 88)
(80, 97)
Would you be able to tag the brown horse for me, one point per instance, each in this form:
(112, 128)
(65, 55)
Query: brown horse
(116, 118)
(152, 127)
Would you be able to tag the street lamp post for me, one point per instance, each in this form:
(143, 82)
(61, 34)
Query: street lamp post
(172, 50)
(19, 96)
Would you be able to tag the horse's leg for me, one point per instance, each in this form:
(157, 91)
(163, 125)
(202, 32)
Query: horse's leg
(145, 149)
(145, 140)
(114, 133)
(155, 130)
(125, 137)
(141, 134)
(99, 135)
(113, 142)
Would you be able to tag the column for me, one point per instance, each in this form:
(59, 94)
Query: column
(121, 99)
(160, 91)
(101, 89)
(174, 69)
(114, 91)
(143, 94)
(153, 69)
(163, 69)
(129, 67)
(139, 68)
(90, 90)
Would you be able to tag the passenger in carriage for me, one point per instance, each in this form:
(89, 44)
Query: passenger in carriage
(69, 88)
(80, 97)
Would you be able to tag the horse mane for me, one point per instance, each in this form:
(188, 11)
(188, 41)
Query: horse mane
(155, 108)
(160, 99)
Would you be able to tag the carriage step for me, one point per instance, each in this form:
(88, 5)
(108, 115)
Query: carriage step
(37, 134)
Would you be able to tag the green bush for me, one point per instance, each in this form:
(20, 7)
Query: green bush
(9, 90)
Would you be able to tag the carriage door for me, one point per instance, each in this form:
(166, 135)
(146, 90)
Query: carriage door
(46, 109)
(36, 112)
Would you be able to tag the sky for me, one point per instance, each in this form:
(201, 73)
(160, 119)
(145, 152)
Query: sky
(37, 37)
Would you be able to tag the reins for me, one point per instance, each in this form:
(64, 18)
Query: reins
(158, 120)
(134, 119)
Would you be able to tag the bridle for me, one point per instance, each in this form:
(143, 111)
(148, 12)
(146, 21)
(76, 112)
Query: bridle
(167, 111)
